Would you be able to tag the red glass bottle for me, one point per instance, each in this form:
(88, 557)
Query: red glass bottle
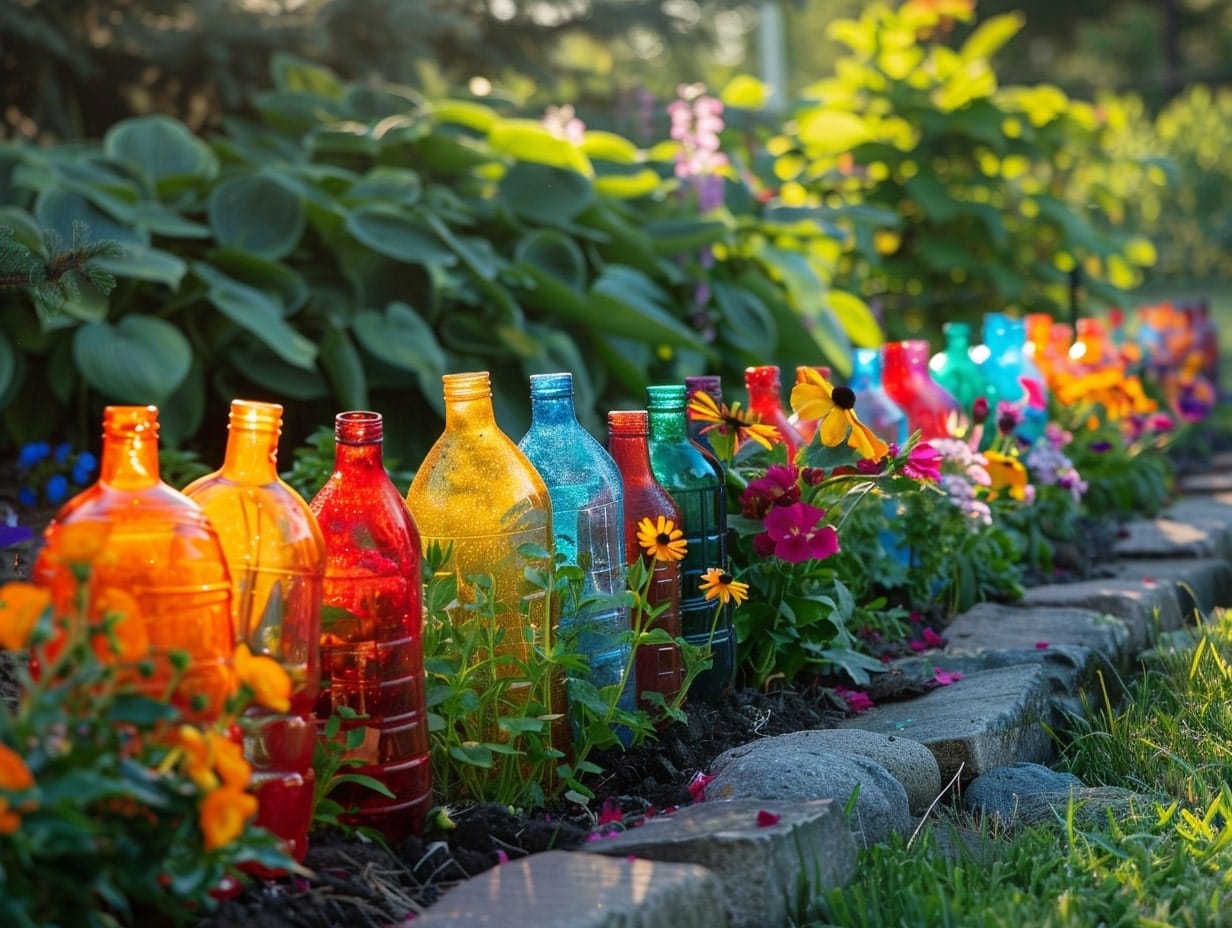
(372, 633)
(659, 667)
(807, 427)
(904, 374)
(766, 401)
(158, 554)
(276, 559)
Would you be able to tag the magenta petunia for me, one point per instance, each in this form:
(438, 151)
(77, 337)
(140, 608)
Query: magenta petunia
(778, 487)
(923, 463)
(798, 534)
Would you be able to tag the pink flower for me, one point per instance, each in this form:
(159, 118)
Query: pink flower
(501, 856)
(798, 535)
(766, 819)
(932, 639)
(610, 813)
(856, 700)
(923, 463)
(945, 679)
(697, 785)
(1041, 645)
(868, 466)
(778, 487)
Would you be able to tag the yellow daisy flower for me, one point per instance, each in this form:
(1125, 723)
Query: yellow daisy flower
(718, 584)
(814, 398)
(730, 422)
(661, 540)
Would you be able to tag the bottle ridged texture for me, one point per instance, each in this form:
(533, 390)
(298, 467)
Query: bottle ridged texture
(659, 667)
(588, 523)
(695, 481)
(163, 552)
(276, 558)
(372, 636)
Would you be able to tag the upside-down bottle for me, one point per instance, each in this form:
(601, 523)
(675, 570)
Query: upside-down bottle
(372, 659)
(476, 493)
(904, 373)
(694, 479)
(276, 558)
(765, 391)
(588, 525)
(156, 557)
(659, 667)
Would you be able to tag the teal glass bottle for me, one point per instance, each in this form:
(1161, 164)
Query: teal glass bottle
(874, 406)
(694, 479)
(587, 524)
(954, 369)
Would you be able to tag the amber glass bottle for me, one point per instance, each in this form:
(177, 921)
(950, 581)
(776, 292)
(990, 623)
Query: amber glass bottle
(161, 555)
(372, 632)
(276, 558)
(657, 667)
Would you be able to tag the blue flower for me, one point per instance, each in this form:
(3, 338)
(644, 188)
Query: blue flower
(27, 496)
(31, 453)
(57, 488)
(83, 468)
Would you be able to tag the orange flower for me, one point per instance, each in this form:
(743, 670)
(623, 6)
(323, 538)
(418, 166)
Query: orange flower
(80, 543)
(21, 604)
(127, 637)
(269, 682)
(223, 814)
(15, 776)
(10, 821)
(718, 584)
(198, 763)
(815, 399)
(731, 426)
(229, 762)
(662, 540)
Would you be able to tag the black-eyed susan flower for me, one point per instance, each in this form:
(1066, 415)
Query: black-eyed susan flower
(661, 540)
(833, 408)
(265, 677)
(730, 425)
(718, 584)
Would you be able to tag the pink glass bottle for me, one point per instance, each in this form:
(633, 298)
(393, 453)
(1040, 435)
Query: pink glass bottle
(765, 391)
(158, 547)
(658, 668)
(372, 635)
(276, 559)
(904, 374)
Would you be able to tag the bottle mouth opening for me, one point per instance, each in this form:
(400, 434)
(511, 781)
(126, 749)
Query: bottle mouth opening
(358, 427)
(257, 416)
(628, 420)
(469, 385)
(131, 420)
(551, 385)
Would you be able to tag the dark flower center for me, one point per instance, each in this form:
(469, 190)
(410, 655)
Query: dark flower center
(844, 398)
(663, 538)
(725, 579)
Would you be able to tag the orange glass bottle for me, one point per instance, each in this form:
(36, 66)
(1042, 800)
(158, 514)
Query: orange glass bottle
(160, 558)
(766, 400)
(276, 558)
(477, 492)
(372, 641)
(658, 668)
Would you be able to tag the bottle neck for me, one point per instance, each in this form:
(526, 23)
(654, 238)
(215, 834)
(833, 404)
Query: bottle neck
(359, 440)
(627, 443)
(252, 442)
(130, 447)
(468, 402)
(552, 409)
(665, 413)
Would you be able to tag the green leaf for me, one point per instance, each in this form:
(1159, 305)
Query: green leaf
(8, 369)
(529, 141)
(398, 235)
(672, 236)
(746, 324)
(290, 72)
(139, 262)
(545, 194)
(477, 755)
(390, 185)
(830, 131)
(258, 213)
(141, 359)
(264, 368)
(624, 301)
(163, 150)
(399, 336)
(989, 36)
(142, 711)
(345, 369)
(267, 275)
(58, 211)
(258, 312)
(556, 254)
(160, 220)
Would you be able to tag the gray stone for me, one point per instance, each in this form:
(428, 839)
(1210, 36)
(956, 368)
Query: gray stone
(1199, 526)
(561, 889)
(1146, 607)
(997, 793)
(1092, 806)
(987, 719)
(1081, 635)
(787, 767)
(1201, 584)
(762, 867)
(908, 761)
(1212, 482)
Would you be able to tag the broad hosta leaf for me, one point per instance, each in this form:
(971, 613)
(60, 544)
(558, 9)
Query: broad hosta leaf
(140, 359)
(258, 213)
(270, 276)
(675, 235)
(855, 317)
(145, 263)
(545, 194)
(528, 140)
(398, 235)
(988, 37)
(608, 146)
(57, 212)
(293, 73)
(267, 370)
(344, 368)
(161, 220)
(258, 312)
(20, 225)
(397, 186)
(627, 302)
(163, 150)
(399, 336)
(556, 254)
(746, 323)
(830, 132)
(180, 415)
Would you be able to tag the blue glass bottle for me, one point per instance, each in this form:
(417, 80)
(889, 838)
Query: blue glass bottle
(1007, 366)
(694, 479)
(873, 405)
(588, 525)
